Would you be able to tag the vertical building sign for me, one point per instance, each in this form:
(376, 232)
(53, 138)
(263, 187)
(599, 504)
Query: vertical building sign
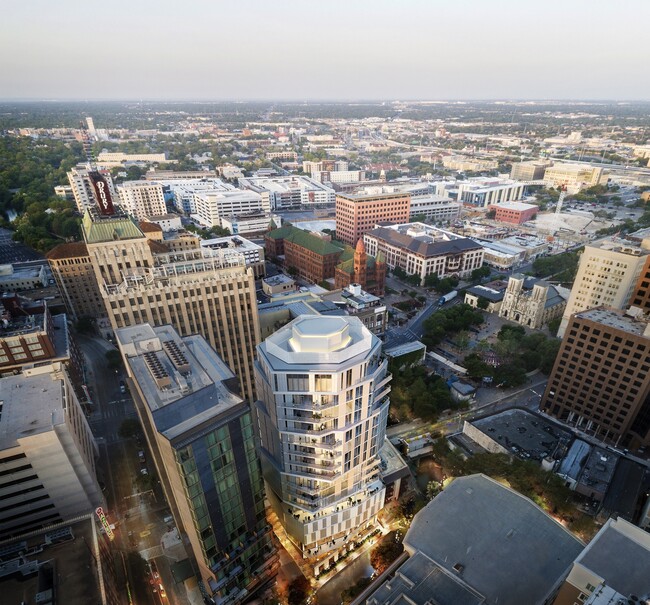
(102, 193)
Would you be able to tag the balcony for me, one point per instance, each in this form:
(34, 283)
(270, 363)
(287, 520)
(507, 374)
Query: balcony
(309, 428)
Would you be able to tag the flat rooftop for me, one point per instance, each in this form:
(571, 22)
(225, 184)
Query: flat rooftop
(486, 534)
(73, 561)
(525, 434)
(239, 243)
(30, 405)
(278, 279)
(620, 553)
(590, 466)
(614, 319)
(182, 380)
(520, 206)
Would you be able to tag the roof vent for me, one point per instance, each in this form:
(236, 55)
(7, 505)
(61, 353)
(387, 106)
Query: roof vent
(458, 567)
(157, 371)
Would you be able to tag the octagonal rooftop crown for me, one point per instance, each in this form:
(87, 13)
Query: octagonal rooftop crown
(319, 335)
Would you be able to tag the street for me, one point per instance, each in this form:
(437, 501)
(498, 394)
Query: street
(137, 515)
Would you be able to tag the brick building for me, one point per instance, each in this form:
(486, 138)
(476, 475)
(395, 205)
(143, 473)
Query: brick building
(600, 382)
(357, 214)
(312, 256)
(359, 268)
(516, 213)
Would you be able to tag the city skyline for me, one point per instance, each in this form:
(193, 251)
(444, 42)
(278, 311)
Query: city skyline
(357, 50)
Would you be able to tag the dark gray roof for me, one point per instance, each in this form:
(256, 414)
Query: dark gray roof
(505, 546)
(624, 490)
(617, 555)
(421, 580)
(423, 247)
(488, 293)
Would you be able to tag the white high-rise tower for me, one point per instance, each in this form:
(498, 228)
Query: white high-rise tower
(322, 411)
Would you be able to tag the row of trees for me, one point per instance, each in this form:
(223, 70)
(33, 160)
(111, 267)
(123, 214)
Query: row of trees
(518, 354)
(450, 321)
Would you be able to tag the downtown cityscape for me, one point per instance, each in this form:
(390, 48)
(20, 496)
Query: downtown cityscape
(380, 342)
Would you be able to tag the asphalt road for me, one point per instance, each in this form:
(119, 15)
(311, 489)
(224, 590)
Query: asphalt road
(138, 516)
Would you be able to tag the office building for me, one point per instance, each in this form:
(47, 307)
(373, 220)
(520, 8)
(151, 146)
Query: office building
(531, 302)
(115, 158)
(357, 214)
(422, 250)
(290, 192)
(197, 290)
(47, 452)
(183, 189)
(426, 203)
(641, 294)
(469, 164)
(572, 177)
(253, 253)
(28, 277)
(600, 382)
(211, 206)
(482, 191)
(516, 213)
(611, 570)
(75, 277)
(322, 411)
(339, 177)
(528, 171)
(142, 199)
(202, 440)
(480, 542)
(252, 223)
(608, 273)
(82, 186)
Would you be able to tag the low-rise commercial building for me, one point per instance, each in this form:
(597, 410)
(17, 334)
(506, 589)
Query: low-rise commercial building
(422, 250)
(516, 213)
(468, 164)
(482, 191)
(278, 284)
(23, 278)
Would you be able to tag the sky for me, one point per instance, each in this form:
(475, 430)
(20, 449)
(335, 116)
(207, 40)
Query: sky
(325, 50)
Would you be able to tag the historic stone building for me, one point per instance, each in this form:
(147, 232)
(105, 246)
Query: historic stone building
(530, 302)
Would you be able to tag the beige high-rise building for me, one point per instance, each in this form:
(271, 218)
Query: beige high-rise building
(198, 291)
(142, 199)
(607, 275)
(82, 187)
(75, 277)
(572, 176)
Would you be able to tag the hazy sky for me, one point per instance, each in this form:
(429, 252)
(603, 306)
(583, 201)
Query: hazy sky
(325, 49)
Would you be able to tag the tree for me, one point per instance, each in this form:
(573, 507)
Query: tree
(491, 213)
(129, 428)
(385, 553)
(480, 273)
(113, 359)
(482, 303)
(433, 489)
(292, 271)
(85, 325)
(299, 590)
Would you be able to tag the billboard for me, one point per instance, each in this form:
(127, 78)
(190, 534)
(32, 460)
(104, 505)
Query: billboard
(102, 193)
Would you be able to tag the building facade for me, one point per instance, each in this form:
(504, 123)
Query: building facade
(528, 171)
(202, 441)
(516, 213)
(290, 192)
(607, 275)
(198, 291)
(253, 253)
(419, 249)
(530, 302)
(572, 177)
(75, 277)
(142, 199)
(367, 271)
(82, 187)
(600, 382)
(212, 206)
(357, 214)
(47, 452)
(322, 412)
